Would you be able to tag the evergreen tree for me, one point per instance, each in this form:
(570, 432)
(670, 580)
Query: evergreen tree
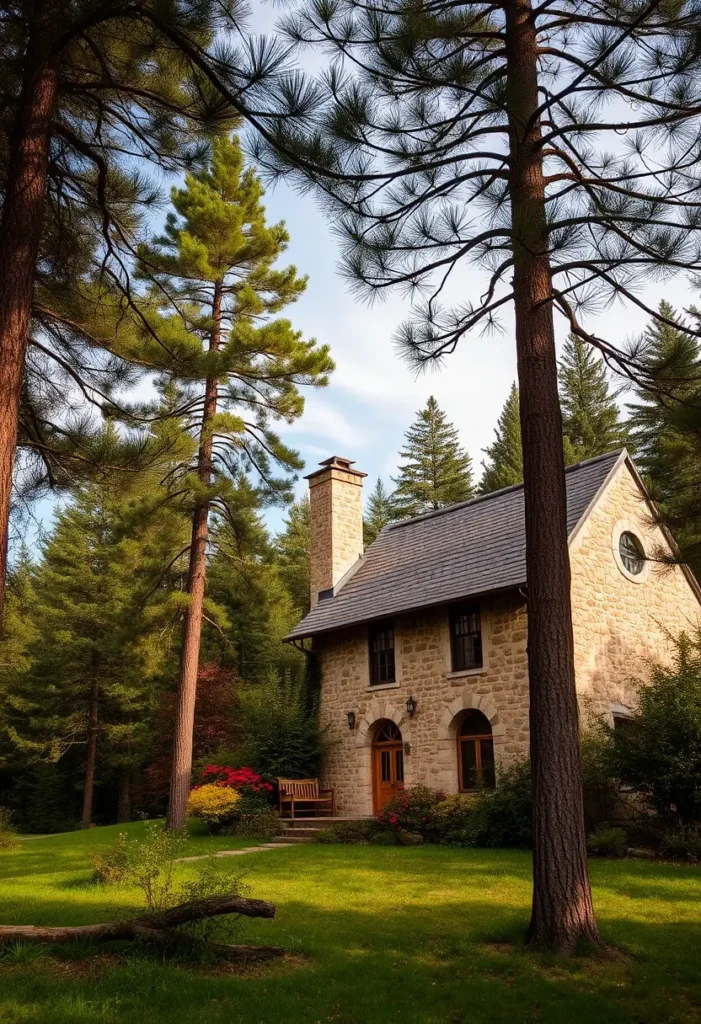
(238, 367)
(590, 417)
(91, 94)
(434, 471)
(666, 428)
(94, 654)
(379, 512)
(293, 555)
(505, 458)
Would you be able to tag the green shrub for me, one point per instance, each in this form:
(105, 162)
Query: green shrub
(658, 754)
(410, 839)
(262, 823)
(114, 864)
(507, 811)
(349, 832)
(411, 810)
(682, 844)
(607, 841)
(8, 832)
(458, 821)
(280, 734)
(388, 838)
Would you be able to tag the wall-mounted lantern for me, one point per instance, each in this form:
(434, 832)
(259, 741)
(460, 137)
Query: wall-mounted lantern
(410, 706)
(351, 719)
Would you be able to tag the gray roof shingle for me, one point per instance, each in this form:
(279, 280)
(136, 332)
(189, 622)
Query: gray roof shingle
(476, 547)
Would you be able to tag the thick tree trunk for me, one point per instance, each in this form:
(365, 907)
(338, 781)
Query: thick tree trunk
(89, 787)
(562, 912)
(124, 799)
(20, 235)
(181, 773)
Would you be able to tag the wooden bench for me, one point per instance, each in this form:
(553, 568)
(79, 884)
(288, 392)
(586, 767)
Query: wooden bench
(292, 792)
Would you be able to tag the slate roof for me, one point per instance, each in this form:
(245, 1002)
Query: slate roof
(475, 547)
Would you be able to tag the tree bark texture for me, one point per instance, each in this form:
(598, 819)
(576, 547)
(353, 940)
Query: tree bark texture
(20, 235)
(562, 912)
(91, 758)
(124, 798)
(181, 773)
(159, 928)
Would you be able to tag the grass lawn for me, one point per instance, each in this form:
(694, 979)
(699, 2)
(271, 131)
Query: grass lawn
(376, 934)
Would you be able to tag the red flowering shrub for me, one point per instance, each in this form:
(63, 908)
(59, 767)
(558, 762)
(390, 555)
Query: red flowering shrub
(411, 810)
(241, 779)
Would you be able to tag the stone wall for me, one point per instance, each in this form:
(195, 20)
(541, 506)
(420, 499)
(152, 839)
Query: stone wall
(622, 622)
(422, 652)
(619, 624)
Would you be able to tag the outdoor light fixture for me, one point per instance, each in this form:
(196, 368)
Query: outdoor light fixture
(410, 706)
(351, 720)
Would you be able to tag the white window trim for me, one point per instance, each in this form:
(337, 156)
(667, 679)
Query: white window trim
(626, 526)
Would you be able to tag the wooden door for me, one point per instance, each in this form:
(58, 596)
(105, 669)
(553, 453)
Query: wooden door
(387, 765)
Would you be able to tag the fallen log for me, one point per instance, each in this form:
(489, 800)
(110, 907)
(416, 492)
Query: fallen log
(158, 928)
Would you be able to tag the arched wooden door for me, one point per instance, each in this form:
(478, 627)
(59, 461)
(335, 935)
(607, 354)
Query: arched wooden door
(387, 764)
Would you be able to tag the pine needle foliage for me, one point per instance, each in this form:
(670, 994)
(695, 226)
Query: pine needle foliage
(590, 416)
(379, 512)
(434, 471)
(504, 464)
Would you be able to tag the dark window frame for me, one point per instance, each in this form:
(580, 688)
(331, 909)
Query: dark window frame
(383, 664)
(631, 552)
(485, 768)
(466, 644)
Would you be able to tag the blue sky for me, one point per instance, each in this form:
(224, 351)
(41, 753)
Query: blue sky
(373, 396)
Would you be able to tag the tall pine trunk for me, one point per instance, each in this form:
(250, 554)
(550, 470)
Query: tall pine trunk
(562, 912)
(124, 798)
(20, 235)
(91, 759)
(181, 772)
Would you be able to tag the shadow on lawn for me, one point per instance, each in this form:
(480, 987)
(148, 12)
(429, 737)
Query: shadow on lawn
(366, 970)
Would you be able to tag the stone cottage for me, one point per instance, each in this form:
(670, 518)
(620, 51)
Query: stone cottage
(421, 639)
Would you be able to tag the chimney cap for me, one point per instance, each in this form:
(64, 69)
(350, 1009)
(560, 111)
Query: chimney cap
(336, 462)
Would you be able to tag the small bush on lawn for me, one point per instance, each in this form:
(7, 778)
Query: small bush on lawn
(212, 804)
(458, 821)
(115, 863)
(8, 832)
(255, 824)
(607, 841)
(507, 811)
(349, 832)
(683, 844)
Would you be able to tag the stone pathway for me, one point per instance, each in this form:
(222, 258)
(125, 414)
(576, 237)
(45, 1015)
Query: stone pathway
(238, 853)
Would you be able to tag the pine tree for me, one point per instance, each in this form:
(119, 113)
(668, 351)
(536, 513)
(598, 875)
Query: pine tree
(505, 458)
(379, 512)
(434, 471)
(666, 427)
(590, 417)
(293, 554)
(94, 654)
(92, 94)
(238, 367)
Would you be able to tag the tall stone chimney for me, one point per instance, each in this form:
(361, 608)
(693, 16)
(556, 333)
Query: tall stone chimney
(336, 509)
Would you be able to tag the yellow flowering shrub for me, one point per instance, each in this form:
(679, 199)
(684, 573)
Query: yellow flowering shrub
(212, 803)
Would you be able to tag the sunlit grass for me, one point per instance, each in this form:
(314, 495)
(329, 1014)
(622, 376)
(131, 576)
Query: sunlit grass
(422, 935)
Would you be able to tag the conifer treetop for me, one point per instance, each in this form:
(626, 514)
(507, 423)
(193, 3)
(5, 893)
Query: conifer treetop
(504, 464)
(434, 470)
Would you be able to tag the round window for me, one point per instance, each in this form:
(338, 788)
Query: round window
(631, 552)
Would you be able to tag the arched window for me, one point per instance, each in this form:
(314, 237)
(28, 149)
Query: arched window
(475, 753)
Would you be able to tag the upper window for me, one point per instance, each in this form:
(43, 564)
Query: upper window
(475, 753)
(381, 640)
(466, 637)
(631, 551)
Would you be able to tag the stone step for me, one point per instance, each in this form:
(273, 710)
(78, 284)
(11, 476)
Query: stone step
(318, 822)
(290, 837)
